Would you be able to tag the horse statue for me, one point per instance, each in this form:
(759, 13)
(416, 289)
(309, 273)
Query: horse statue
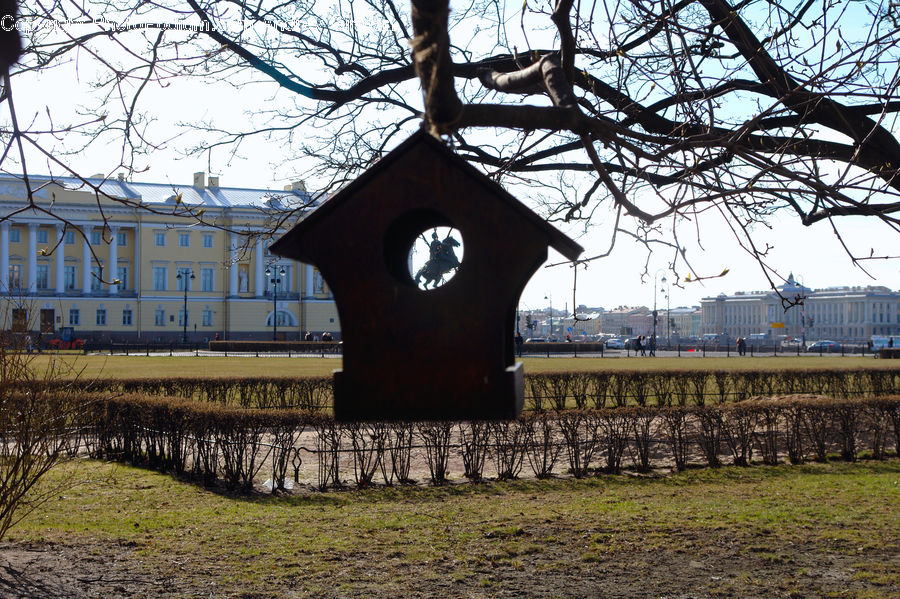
(443, 259)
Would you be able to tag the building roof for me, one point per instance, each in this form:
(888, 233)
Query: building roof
(161, 193)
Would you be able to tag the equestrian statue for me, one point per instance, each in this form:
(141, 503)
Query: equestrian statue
(441, 261)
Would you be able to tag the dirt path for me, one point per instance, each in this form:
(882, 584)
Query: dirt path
(684, 566)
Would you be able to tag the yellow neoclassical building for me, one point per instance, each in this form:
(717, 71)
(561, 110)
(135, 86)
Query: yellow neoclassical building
(120, 261)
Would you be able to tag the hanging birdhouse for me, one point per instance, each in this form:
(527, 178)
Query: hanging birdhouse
(429, 341)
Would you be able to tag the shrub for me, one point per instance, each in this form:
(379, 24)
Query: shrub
(642, 436)
(368, 442)
(541, 446)
(509, 448)
(708, 432)
(474, 438)
(436, 436)
(399, 447)
(738, 426)
(674, 429)
(580, 430)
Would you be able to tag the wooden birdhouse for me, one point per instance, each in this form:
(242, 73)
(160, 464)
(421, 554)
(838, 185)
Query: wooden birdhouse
(441, 353)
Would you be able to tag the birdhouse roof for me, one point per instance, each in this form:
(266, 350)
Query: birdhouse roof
(287, 244)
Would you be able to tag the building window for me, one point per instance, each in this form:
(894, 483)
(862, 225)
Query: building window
(207, 279)
(95, 278)
(160, 275)
(159, 238)
(183, 279)
(74, 317)
(101, 317)
(181, 317)
(284, 284)
(69, 238)
(69, 273)
(159, 317)
(126, 317)
(184, 240)
(207, 318)
(19, 319)
(207, 240)
(15, 235)
(42, 236)
(96, 237)
(15, 276)
(122, 239)
(122, 275)
(283, 319)
(43, 276)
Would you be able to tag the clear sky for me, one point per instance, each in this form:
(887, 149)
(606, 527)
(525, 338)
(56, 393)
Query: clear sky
(813, 254)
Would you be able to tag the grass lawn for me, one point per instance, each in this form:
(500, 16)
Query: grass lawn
(165, 366)
(817, 530)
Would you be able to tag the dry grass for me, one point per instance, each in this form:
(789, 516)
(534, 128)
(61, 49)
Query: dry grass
(93, 366)
(816, 530)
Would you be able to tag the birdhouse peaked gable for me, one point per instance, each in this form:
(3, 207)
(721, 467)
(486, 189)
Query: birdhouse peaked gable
(409, 353)
(292, 244)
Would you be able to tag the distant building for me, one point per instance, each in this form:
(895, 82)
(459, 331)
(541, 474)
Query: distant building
(582, 324)
(126, 270)
(836, 313)
(626, 321)
(683, 321)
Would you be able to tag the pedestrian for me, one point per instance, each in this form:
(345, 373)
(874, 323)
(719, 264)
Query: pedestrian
(29, 347)
(519, 343)
(653, 346)
(639, 345)
(741, 346)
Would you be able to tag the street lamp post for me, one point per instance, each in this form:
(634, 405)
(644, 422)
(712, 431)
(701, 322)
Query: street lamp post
(275, 281)
(663, 281)
(668, 315)
(550, 297)
(185, 276)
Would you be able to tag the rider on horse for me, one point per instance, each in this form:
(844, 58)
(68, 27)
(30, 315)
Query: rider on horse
(442, 260)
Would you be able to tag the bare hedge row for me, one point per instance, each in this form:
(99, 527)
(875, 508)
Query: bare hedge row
(236, 446)
(543, 390)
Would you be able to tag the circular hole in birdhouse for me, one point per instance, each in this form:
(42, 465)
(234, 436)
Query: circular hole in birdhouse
(435, 256)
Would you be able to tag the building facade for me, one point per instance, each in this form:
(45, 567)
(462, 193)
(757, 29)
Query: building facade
(129, 262)
(851, 314)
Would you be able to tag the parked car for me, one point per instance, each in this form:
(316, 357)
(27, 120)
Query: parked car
(535, 340)
(792, 344)
(824, 347)
(615, 344)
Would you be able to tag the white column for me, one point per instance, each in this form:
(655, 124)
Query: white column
(309, 280)
(233, 273)
(113, 259)
(86, 260)
(136, 267)
(260, 259)
(4, 257)
(32, 258)
(60, 260)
